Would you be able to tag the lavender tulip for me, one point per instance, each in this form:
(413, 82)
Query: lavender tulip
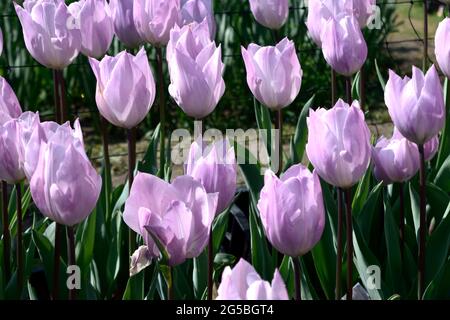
(195, 68)
(292, 210)
(65, 186)
(274, 74)
(14, 137)
(343, 45)
(395, 159)
(272, 14)
(198, 11)
(50, 31)
(124, 28)
(244, 283)
(9, 105)
(96, 25)
(179, 215)
(416, 105)
(125, 88)
(442, 47)
(431, 148)
(339, 144)
(155, 18)
(215, 167)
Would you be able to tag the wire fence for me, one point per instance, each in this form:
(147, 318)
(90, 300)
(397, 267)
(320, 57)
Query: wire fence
(415, 31)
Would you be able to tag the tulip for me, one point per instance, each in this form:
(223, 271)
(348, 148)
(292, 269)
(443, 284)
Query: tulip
(9, 105)
(442, 49)
(155, 18)
(1, 42)
(343, 45)
(416, 105)
(274, 74)
(272, 14)
(65, 186)
(124, 28)
(50, 32)
(14, 136)
(178, 215)
(362, 10)
(244, 283)
(125, 88)
(215, 167)
(292, 210)
(196, 68)
(395, 159)
(431, 148)
(198, 11)
(96, 25)
(339, 144)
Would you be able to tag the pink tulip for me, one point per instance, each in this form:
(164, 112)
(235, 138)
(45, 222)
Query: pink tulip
(215, 167)
(155, 18)
(64, 185)
(416, 105)
(274, 74)
(125, 88)
(442, 49)
(272, 14)
(124, 28)
(179, 215)
(9, 105)
(339, 144)
(292, 210)
(244, 283)
(50, 31)
(198, 11)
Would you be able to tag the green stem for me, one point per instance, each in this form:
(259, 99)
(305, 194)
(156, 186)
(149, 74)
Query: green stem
(19, 238)
(425, 35)
(423, 224)
(333, 87)
(6, 233)
(338, 293)
(71, 256)
(279, 127)
(162, 112)
(210, 265)
(349, 229)
(131, 167)
(298, 278)
(106, 163)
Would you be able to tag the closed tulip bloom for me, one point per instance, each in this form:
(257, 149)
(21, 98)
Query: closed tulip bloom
(395, 159)
(197, 11)
(416, 105)
(125, 88)
(124, 28)
(14, 136)
(343, 45)
(179, 215)
(272, 14)
(442, 47)
(244, 283)
(215, 167)
(65, 186)
(96, 25)
(274, 74)
(292, 210)
(195, 68)
(9, 105)
(339, 144)
(50, 31)
(155, 18)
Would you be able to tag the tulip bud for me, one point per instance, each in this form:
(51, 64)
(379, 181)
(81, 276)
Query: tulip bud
(215, 167)
(56, 44)
(125, 88)
(195, 68)
(124, 28)
(343, 45)
(14, 137)
(96, 26)
(339, 144)
(274, 74)
(442, 49)
(416, 105)
(65, 187)
(9, 105)
(179, 215)
(244, 283)
(155, 18)
(272, 14)
(395, 159)
(198, 11)
(292, 210)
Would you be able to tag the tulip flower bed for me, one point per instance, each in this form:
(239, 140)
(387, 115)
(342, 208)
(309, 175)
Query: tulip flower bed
(344, 215)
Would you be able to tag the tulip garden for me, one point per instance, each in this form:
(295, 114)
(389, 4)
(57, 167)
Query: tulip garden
(341, 214)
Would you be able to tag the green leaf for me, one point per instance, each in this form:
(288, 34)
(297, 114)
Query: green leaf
(380, 76)
(219, 228)
(135, 287)
(415, 207)
(362, 192)
(443, 176)
(149, 163)
(444, 145)
(439, 288)
(356, 86)
(85, 243)
(365, 216)
(200, 274)
(264, 123)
